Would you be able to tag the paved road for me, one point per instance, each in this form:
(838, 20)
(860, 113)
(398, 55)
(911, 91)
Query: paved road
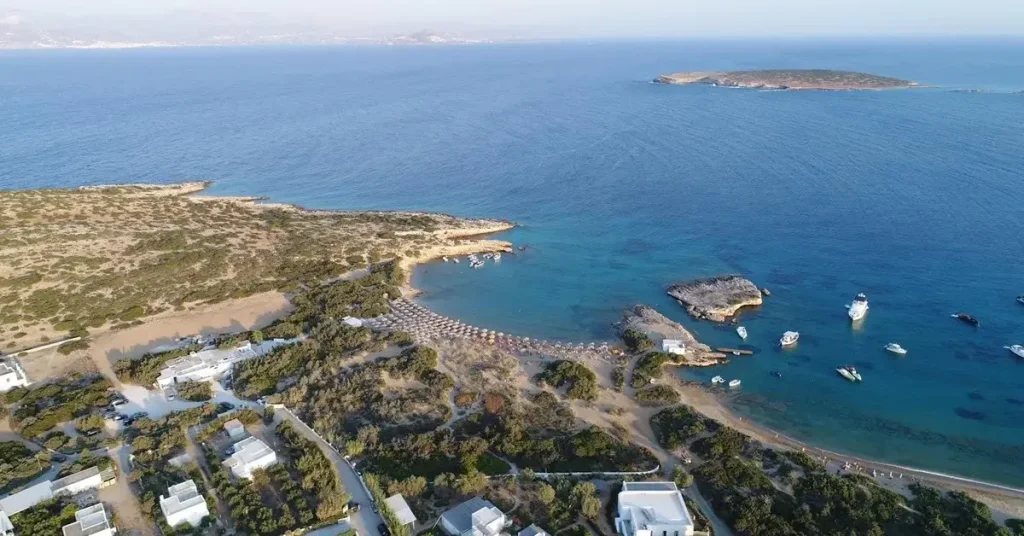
(365, 521)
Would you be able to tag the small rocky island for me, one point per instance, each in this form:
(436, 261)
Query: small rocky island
(716, 298)
(813, 79)
(646, 319)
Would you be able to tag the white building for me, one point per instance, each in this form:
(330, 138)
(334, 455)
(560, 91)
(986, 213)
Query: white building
(15, 503)
(210, 362)
(6, 527)
(12, 375)
(249, 455)
(673, 346)
(533, 530)
(184, 505)
(235, 429)
(401, 509)
(652, 509)
(475, 517)
(352, 322)
(91, 521)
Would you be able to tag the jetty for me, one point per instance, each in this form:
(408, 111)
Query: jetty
(734, 351)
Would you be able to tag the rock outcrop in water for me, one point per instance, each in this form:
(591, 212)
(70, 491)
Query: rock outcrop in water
(819, 79)
(716, 298)
(658, 327)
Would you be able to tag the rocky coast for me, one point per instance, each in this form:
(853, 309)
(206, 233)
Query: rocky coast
(716, 298)
(779, 79)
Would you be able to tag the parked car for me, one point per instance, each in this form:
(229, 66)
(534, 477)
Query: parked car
(383, 530)
(353, 507)
(57, 457)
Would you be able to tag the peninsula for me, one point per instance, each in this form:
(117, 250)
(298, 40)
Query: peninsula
(806, 79)
(716, 298)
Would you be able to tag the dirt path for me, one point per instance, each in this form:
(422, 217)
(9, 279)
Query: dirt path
(193, 451)
(130, 519)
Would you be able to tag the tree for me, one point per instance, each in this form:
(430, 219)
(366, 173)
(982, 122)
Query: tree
(681, 477)
(547, 493)
(637, 341)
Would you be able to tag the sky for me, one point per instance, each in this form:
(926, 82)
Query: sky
(583, 18)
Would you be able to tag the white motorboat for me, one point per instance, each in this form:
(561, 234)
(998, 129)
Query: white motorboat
(789, 338)
(1020, 300)
(1017, 350)
(742, 332)
(476, 263)
(717, 379)
(445, 259)
(849, 373)
(895, 348)
(858, 308)
(734, 384)
(497, 256)
(456, 260)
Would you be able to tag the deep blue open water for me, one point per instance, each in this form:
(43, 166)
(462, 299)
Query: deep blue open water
(622, 187)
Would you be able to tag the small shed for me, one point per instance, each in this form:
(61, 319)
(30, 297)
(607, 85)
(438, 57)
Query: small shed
(673, 346)
(401, 509)
(234, 428)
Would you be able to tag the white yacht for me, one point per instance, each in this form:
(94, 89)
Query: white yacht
(895, 348)
(789, 338)
(734, 384)
(476, 263)
(717, 379)
(1017, 350)
(849, 373)
(742, 332)
(445, 259)
(859, 307)
(497, 256)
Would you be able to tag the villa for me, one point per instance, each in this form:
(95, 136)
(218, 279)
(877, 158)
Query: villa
(91, 521)
(12, 375)
(184, 505)
(475, 517)
(652, 509)
(212, 362)
(673, 346)
(249, 455)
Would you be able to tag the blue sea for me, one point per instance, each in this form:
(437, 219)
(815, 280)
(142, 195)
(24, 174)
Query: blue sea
(621, 187)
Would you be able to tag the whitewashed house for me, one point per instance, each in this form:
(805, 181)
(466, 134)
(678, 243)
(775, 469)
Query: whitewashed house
(12, 375)
(475, 517)
(211, 362)
(88, 479)
(652, 509)
(673, 346)
(249, 455)
(91, 521)
(184, 504)
(401, 509)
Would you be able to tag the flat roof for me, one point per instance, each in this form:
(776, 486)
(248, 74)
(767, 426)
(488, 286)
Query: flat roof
(183, 496)
(77, 477)
(88, 521)
(249, 450)
(27, 498)
(655, 502)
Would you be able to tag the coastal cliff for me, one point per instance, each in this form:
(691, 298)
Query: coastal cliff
(716, 298)
(646, 319)
(805, 79)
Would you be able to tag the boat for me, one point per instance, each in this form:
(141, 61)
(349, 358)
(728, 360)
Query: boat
(456, 260)
(476, 263)
(1017, 350)
(849, 373)
(497, 256)
(445, 259)
(776, 373)
(858, 308)
(742, 332)
(734, 384)
(1020, 299)
(789, 338)
(717, 379)
(964, 317)
(895, 348)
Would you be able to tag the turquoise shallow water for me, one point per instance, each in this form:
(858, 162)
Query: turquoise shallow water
(622, 187)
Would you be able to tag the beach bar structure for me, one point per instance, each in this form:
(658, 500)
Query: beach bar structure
(652, 509)
(212, 362)
(184, 504)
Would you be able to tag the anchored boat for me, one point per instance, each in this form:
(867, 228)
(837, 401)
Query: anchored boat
(789, 338)
(742, 332)
(896, 348)
(858, 308)
(734, 384)
(1017, 350)
(849, 373)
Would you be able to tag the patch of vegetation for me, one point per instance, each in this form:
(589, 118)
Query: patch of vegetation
(42, 407)
(637, 341)
(657, 395)
(19, 465)
(46, 518)
(195, 391)
(582, 381)
(649, 367)
(146, 369)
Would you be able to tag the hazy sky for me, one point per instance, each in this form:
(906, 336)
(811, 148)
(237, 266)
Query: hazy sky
(594, 18)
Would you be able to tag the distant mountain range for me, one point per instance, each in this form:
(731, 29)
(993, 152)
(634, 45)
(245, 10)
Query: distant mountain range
(190, 29)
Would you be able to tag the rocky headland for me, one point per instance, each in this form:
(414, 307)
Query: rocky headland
(645, 319)
(716, 298)
(807, 79)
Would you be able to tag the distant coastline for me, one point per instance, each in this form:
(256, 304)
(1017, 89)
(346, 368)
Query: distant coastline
(787, 79)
